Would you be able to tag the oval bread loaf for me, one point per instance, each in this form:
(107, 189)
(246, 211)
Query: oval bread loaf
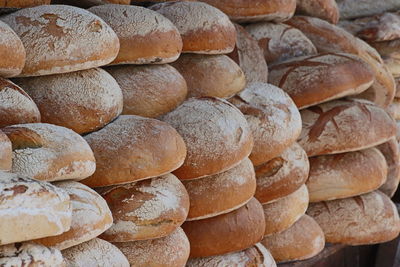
(12, 51)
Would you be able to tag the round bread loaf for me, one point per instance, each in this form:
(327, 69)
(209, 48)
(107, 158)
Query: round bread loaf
(5, 152)
(204, 29)
(343, 126)
(83, 101)
(346, 174)
(216, 134)
(149, 90)
(313, 80)
(31, 209)
(249, 56)
(90, 217)
(169, 251)
(95, 252)
(226, 233)
(221, 193)
(15, 105)
(23, 3)
(323, 9)
(273, 118)
(280, 42)
(50, 153)
(303, 240)
(215, 75)
(134, 148)
(148, 209)
(394, 109)
(257, 255)
(145, 36)
(367, 219)
(282, 175)
(330, 38)
(12, 51)
(390, 151)
(283, 213)
(30, 254)
(60, 38)
(258, 10)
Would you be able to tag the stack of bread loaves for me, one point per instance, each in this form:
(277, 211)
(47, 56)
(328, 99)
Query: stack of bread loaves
(340, 135)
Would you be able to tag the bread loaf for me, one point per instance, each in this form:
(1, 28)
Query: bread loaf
(273, 118)
(204, 29)
(12, 51)
(303, 240)
(323, 9)
(83, 101)
(221, 193)
(31, 209)
(282, 175)
(367, 219)
(15, 105)
(390, 151)
(283, 213)
(134, 148)
(387, 48)
(280, 42)
(30, 254)
(356, 8)
(211, 75)
(145, 36)
(346, 175)
(330, 38)
(90, 217)
(377, 28)
(313, 80)
(95, 252)
(23, 3)
(147, 209)
(149, 90)
(49, 153)
(343, 126)
(240, 229)
(249, 56)
(257, 255)
(5, 152)
(394, 109)
(60, 38)
(216, 134)
(258, 10)
(393, 65)
(172, 250)
(397, 80)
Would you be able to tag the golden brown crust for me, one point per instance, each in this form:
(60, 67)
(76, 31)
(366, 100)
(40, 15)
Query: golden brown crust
(210, 75)
(5, 152)
(283, 213)
(149, 90)
(16, 106)
(367, 219)
(249, 56)
(172, 250)
(343, 126)
(148, 209)
(240, 229)
(12, 51)
(125, 150)
(390, 151)
(303, 240)
(314, 79)
(344, 175)
(83, 101)
(258, 10)
(204, 29)
(221, 193)
(139, 31)
(23, 3)
(273, 118)
(330, 38)
(323, 9)
(216, 133)
(282, 175)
